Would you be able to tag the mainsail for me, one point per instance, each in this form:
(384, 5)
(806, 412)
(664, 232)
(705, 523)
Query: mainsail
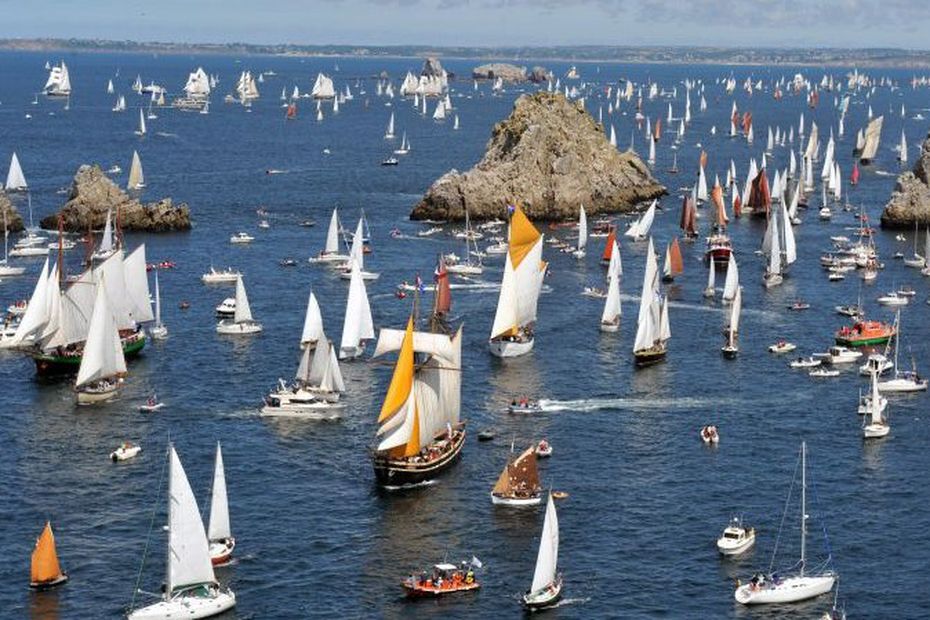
(523, 276)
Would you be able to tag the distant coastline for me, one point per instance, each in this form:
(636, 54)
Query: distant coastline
(826, 56)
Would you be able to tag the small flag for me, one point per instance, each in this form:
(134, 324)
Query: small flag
(419, 283)
(476, 562)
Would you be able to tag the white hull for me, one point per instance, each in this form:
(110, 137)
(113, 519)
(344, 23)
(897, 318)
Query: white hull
(513, 501)
(219, 278)
(509, 348)
(610, 327)
(366, 275)
(97, 396)
(729, 549)
(29, 251)
(790, 590)
(902, 385)
(329, 258)
(875, 431)
(159, 332)
(230, 328)
(546, 596)
(8, 272)
(188, 607)
(124, 454)
(772, 280)
(316, 412)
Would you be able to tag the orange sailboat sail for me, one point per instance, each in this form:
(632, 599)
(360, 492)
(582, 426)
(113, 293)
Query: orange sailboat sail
(716, 196)
(442, 303)
(46, 571)
(675, 261)
(609, 246)
(657, 129)
(760, 199)
(688, 221)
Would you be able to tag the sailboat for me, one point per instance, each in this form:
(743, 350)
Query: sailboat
(512, 331)
(902, 149)
(242, 322)
(389, 134)
(610, 317)
(795, 586)
(357, 254)
(904, 380)
(108, 245)
(136, 178)
(470, 266)
(546, 588)
(731, 284)
(330, 252)
(639, 230)
(652, 330)
(316, 390)
(731, 347)
(103, 362)
(219, 533)
(141, 130)
(191, 589)
(673, 265)
(873, 134)
(582, 234)
(45, 571)
(404, 146)
(110, 89)
(773, 276)
(875, 425)
(518, 484)
(313, 324)
(419, 435)
(357, 327)
(15, 180)
(5, 269)
(158, 330)
(59, 81)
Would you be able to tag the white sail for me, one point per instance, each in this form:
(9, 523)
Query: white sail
(612, 308)
(136, 288)
(731, 285)
(902, 149)
(615, 267)
(775, 251)
(110, 89)
(106, 240)
(136, 177)
(357, 251)
(390, 128)
(702, 185)
(157, 301)
(218, 528)
(357, 325)
(141, 130)
(15, 181)
(547, 559)
(103, 352)
(582, 229)
(188, 549)
(323, 87)
(711, 279)
(873, 134)
(440, 112)
(647, 328)
(791, 251)
(313, 322)
(332, 235)
(198, 84)
(243, 310)
(516, 306)
(735, 310)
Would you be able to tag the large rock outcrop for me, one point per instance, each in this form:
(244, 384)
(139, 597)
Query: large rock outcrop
(14, 221)
(910, 201)
(432, 67)
(549, 155)
(93, 194)
(504, 71)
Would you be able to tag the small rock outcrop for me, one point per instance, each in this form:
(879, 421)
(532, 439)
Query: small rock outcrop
(504, 71)
(550, 156)
(93, 194)
(539, 75)
(14, 221)
(910, 201)
(431, 67)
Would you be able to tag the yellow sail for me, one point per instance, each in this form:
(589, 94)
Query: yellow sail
(413, 444)
(402, 381)
(45, 567)
(523, 236)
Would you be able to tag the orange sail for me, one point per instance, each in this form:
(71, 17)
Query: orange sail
(737, 205)
(45, 567)
(523, 236)
(676, 263)
(747, 121)
(402, 380)
(609, 246)
(442, 303)
(703, 160)
(657, 129)
(291, 111)
(716, 195)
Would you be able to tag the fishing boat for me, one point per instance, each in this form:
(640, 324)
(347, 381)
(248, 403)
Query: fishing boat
(546, 588)
(219, 533)
(864, 333)
(731, 347)
(158, 331)
(102, 362)
(357, 326)
(875, 425)
(518, 484)
(524, 270)
(330, 252)
(191, 589)
(126, 450)
(736, 538)
(794, 586)
(227, 276)
(652, 330)
(45, 570)
(444, 579)
(242, 322)
(420, 434)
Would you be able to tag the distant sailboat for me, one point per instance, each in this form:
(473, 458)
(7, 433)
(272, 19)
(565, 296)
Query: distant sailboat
(158, 330)
(404, 146)
(46, 571)
(141, 130)
(313, 324)
(242, 322)
(389, 134)
(330, 252)
(610, 317)
(59, 81)
(652, 330)
(731, 346)
(219, 532)
(136, 177)
(110, 89)
(639, 230)
(673, 263)
(902, 149)
(873, 134)
(582, 234)
(15, 180)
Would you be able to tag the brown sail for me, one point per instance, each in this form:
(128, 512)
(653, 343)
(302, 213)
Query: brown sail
(442, 301)
(688, 222)
(675, 262)
(520, 479)
(760, 199)
(716, 195)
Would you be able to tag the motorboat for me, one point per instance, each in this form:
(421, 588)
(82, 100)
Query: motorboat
(444, 579)
(125, 451)
(736, 538)
(893, 299)
(226, 309)
(822, 373)
(709, 435)
(782, 346)
(842, 355)
(543, 449)
(241, 237)
(876, 362)
(524, 405)
(799, 305)
(152, 404)
(227, 276)
(852, 310)
(808, 362)
(594, 292)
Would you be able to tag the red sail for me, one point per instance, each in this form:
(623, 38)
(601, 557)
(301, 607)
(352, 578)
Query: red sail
(443, 300)
(703, 160)
(292, 111)
(854, 177)
(688, 222)
(747, 122)
(609, 246)
(716, 195)
(759, 197)
(657, 129)
(737, 205)
(676, 263)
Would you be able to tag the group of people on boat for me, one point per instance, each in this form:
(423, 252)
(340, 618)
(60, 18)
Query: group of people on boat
(446, 580)
(709, 434)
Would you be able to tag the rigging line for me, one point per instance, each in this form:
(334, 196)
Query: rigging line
(823, 524)
(148, 539)
(784, 514)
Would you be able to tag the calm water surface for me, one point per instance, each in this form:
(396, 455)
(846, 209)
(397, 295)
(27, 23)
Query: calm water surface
(315, 537)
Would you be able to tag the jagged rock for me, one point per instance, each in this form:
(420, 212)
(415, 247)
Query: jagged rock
(910, 201)
(93, 194)
(539, 75)
(549, 155)
(14, 221)
(494, 70)
(431, 67)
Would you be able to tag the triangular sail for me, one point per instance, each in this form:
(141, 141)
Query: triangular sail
(219, 505)
(15, 181)
(357, 326)
(547, 559)
(136, 177)
(732, 282)
(516, 306)
(313, 322)
(243, 310)
(103, 352)
(188, 549)
(45, 566)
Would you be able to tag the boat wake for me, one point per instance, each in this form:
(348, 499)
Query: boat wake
(409, 487)
(569, 601)
(165, 134)
(885, 173)
(717, 308)
(596, 404)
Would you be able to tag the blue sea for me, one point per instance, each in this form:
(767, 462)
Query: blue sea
(316, 538)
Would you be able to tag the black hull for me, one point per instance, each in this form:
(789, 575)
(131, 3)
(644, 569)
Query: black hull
(648, 358)
(730, 354)
(398, 473)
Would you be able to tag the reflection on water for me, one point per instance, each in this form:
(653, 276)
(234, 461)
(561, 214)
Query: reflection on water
(44, 605)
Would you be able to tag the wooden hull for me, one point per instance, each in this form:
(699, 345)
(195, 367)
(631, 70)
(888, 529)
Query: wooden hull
(648, 357)
(402, 472)
(51, 365)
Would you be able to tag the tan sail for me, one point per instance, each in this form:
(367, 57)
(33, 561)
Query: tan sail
(873, 134)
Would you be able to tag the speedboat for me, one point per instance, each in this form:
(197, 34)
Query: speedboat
(892, 299)
(595, 292)
(227, 308)
(736, 538)
(241, 237)
(823, 373)
(709, 435)
(543, 449)
(228, 276)
(799, 305)
(782, 346)
(842, 355)
(444, 579)
(125, 451)
(876, 362)
(390, 161)
(524, 406)
(808, 362)
(264, 224)
(853, 310)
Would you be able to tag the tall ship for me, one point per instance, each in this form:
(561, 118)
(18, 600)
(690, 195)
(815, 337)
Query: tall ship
(420, 434)
(59, 81)
(512, 332)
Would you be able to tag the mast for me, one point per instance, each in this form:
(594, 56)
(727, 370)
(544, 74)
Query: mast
(804, 502)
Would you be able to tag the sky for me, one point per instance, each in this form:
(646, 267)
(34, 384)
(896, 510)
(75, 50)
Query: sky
(726, 23)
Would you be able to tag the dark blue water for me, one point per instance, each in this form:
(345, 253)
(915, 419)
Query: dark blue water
(315, 537)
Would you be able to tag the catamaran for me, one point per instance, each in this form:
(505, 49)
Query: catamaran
(795, 586)
(242, 322)
(512, 331)
(652, 331)
(191, 589)
(546, 588)
(219, 532)
(420, 434)
(103, 363)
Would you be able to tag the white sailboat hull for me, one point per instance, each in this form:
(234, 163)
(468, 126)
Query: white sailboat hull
(366, 275)
(7, 271)
(159, 332)
(902, 385)
(317, 411)
(875, 431)
(188, 607)
(515, 501)
(790, 590)
(545, 596)
(329, 258)
(230, 328)
(85, 397)
(510, 348)
(609, 327)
